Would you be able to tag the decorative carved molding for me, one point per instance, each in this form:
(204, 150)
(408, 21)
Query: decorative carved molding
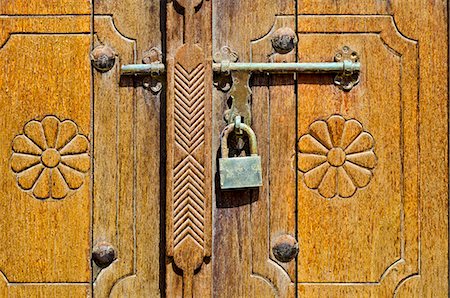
(189, 174)
(188, 144)
(336, 157)
(50, 159)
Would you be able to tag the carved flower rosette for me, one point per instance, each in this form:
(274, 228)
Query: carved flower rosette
(50, 159)
(336, 157)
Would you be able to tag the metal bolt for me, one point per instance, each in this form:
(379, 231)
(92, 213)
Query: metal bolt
(103, 58)
(284, 40)
(103, 254)
(285, 248)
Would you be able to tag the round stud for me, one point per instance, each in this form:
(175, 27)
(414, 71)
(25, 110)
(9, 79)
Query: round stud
(103, 58)
(103, 254)
(285, 248)
(284, 40)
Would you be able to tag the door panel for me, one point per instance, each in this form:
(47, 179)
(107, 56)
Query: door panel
(113, 193)
(45, 132)
(359, 234)
(359, 220)
(358, 179)
(126, 195)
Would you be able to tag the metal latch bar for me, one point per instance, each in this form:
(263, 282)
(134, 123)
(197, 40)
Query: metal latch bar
(301, 67)
(143, 69)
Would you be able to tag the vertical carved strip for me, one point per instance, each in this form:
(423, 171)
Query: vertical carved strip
(189, 140)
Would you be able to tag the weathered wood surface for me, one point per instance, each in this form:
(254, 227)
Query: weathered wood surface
(361, 237)
(127, 207)
(45, 165)
(84, 152)
(188, 141)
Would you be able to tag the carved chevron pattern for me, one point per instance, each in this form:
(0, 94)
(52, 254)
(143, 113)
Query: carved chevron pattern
(189, 174)
(189, 107)
(189, 201)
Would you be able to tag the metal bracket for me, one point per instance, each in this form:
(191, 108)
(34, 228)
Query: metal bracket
(237, 83)
(223, 80)
(153, 81)
(240, 94)
(348, 78)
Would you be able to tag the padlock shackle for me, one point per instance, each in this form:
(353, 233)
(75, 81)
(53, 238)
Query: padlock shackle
(251, 138)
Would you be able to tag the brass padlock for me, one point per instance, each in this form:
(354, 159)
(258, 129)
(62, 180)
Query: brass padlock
(240, 172)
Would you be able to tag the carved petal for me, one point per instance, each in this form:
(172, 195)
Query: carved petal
(79, 162)
(315, 176)
(308, 144)
(359, 175)
(363, 142)
(50, 126)
(21, 162)
(73, 178)
(34, 131)
(22, 144)
(78, 144)
(346, 188)
(307, 161)
(59, 186)
(42, 188)
(336, 126)
(319, 130)
(364, 159)
(327, 187)
(352, 129)
(28, 178)
(67, 131)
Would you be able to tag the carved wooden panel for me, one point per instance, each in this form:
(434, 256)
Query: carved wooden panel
(128, 209)
(114, 194)
(45, 149)
(356, 177)
(356, 181)
(189, 161)
(380, 219)
(360, 232)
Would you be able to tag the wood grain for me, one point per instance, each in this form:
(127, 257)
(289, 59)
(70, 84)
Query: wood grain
(45, 7)
(359, 178)
(365, 240)
(188, 139)
(39, 242)
(376, 221)
(127, 123)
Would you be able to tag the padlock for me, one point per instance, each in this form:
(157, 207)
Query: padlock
(240, 172)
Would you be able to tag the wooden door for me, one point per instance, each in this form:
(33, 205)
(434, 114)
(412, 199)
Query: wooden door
(110, 184)
(80, 150)
(346, 173)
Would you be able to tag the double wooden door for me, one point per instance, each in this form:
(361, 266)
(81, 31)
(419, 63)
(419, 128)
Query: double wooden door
(110, 184)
